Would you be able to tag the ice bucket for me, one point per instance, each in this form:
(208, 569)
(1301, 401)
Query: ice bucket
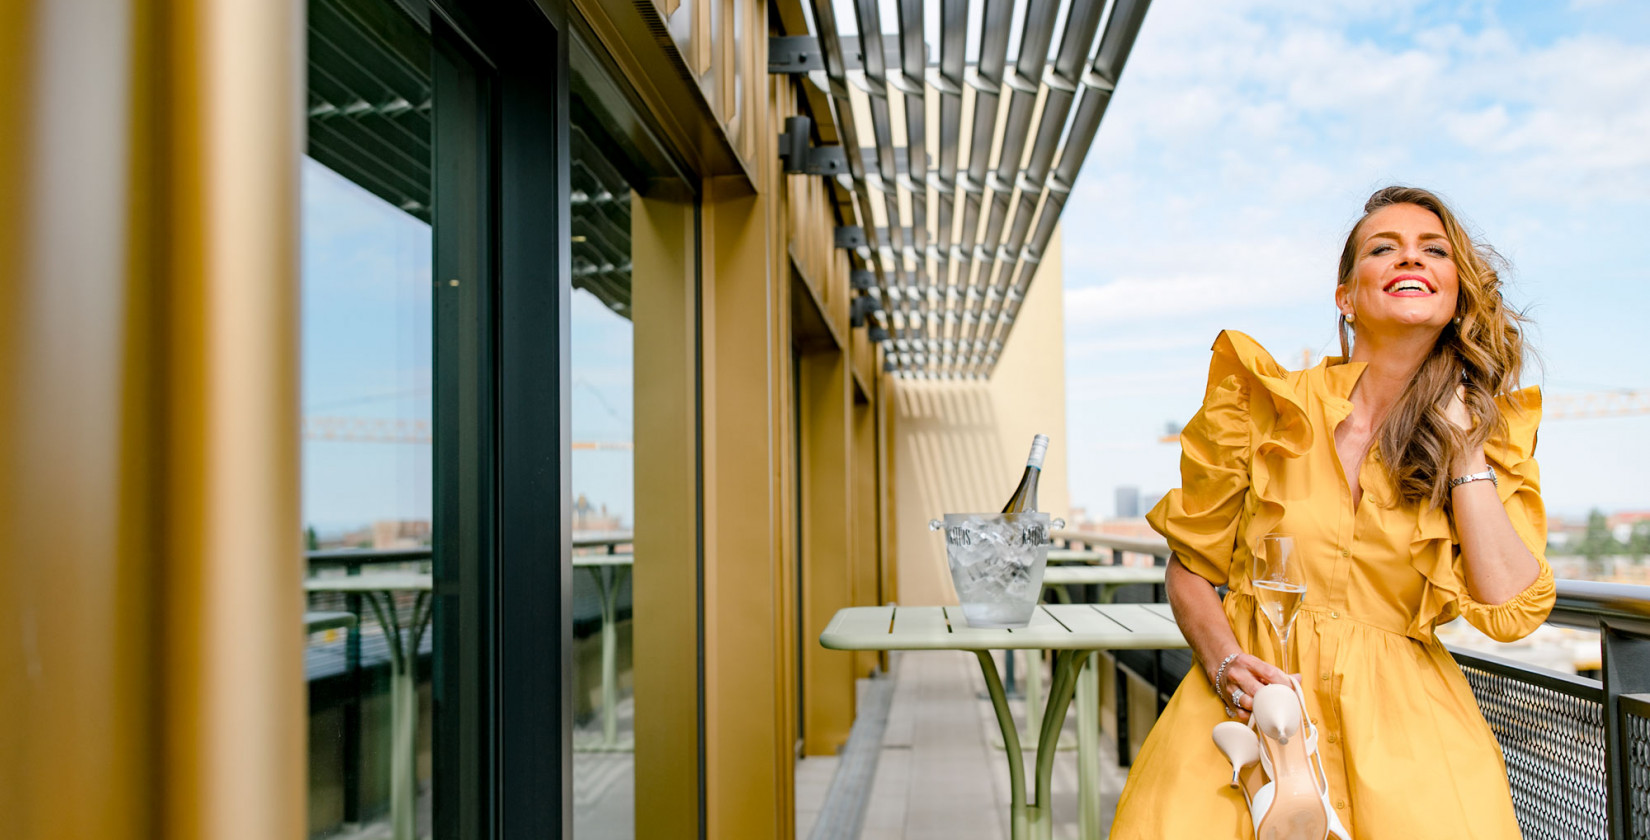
(997, 562)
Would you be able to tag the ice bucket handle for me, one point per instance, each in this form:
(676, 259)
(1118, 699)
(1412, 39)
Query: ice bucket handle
(937, 525)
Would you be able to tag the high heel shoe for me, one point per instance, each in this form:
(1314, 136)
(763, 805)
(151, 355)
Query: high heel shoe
(1241, 747)
(1294, 804)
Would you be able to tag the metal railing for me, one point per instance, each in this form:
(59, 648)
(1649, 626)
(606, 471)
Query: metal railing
(1577, 749)
(343, 667)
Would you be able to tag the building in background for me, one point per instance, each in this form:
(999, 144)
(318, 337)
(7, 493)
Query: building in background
(1128, 502)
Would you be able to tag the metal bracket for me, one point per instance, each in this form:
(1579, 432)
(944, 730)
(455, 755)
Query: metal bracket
(861, 307)
(876, 333)
(794, 54)
(850, 237)
(862, 279)
(802, 159)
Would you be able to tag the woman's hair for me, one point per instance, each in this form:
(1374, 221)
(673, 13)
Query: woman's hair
(1482, 347)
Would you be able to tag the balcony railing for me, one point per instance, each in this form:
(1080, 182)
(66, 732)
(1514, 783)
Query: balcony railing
(1577, 749)
(344, 667)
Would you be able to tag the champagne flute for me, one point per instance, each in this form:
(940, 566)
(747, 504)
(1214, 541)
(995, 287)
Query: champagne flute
(1279, 581)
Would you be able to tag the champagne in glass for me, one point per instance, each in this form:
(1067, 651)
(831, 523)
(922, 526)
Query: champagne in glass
(1279, 582)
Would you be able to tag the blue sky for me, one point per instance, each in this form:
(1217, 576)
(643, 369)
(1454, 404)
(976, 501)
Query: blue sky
(1240, 147)
(1243, 139)
(367, 345)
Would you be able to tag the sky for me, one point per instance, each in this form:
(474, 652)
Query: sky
(367, 345)
(1240, 146)
(1239, 149)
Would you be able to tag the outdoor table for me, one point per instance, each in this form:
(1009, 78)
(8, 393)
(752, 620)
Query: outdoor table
(1072, 630)
(1108, 578)
(1078, 555)
(609, 571)
(315, 622)
(378, 590)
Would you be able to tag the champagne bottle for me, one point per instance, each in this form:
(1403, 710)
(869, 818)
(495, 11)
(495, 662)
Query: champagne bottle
(1024, 499)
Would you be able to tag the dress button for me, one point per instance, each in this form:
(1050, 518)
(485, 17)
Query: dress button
(1341, 804)
(1333, 614)
(1325, 676)
(1345, 552)
(1332, 738)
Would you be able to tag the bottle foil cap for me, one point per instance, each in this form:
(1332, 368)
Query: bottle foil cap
(1039, 448)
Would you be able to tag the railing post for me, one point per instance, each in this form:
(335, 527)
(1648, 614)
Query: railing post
(1626, 661)
(352, 706)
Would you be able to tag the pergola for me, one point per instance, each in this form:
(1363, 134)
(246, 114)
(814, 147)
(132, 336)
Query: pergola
(956, 170)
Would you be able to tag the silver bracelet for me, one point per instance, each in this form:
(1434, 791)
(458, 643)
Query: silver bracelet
(1220, 677)
(1487, 475)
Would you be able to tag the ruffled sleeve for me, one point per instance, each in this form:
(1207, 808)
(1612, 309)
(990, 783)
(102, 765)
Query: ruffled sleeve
(1251, 416)
(1200, 517)
(1512, 456)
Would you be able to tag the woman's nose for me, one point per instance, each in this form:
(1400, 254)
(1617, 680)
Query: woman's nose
(1409, 255)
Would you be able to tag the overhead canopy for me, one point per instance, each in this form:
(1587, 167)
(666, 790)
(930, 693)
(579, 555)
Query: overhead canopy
(964, 163)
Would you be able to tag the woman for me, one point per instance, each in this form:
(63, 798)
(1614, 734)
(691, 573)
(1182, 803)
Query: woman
(1377, 465)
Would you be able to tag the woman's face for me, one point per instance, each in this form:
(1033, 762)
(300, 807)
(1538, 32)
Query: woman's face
(1405, 276)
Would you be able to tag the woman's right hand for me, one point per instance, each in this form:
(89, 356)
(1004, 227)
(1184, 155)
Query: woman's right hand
(1248, 673)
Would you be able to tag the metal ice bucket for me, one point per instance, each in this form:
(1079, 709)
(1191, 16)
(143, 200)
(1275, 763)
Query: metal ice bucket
(997, 562)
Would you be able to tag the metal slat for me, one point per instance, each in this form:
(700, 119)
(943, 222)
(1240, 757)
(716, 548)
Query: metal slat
(950, 293)
(920, 620)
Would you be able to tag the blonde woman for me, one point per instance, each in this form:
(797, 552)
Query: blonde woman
(1405, 473)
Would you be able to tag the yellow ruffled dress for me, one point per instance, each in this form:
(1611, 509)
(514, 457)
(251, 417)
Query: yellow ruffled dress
(1407, 753)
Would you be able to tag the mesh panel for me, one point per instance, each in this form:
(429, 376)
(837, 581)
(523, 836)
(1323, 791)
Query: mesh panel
(1553, 741)
(1636, 733)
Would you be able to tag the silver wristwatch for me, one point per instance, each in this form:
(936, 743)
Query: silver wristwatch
(1487, 475)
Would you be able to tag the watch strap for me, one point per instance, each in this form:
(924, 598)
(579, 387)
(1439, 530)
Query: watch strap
(1487, 475)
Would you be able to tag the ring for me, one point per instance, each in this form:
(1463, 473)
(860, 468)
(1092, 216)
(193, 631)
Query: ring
(1237, 696)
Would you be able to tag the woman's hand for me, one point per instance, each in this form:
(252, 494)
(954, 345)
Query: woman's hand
(1247, 673)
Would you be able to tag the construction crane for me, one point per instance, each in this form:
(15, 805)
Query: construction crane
(396, 430)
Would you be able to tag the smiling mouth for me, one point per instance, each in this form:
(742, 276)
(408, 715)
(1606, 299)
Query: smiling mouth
(1409, 284)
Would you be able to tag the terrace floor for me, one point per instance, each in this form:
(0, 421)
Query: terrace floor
(938, 770)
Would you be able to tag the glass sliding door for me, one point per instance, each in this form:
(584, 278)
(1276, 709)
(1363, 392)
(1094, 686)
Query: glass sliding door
(367, 405)
(634, 481)
(436, 313)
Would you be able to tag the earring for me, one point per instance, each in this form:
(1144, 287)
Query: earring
(1348, 317)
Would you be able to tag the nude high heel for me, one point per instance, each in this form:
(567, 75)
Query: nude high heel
(1294, 804)
(1240, 746)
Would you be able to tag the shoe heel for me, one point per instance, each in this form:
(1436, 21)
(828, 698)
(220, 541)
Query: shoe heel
(1277, 713)
(1237, 742)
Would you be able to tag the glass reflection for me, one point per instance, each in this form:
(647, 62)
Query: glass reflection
(367, 344)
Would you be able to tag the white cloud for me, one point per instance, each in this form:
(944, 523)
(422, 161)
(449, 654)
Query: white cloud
(1245, 136)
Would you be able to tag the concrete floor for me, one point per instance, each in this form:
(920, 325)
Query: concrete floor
(939, 773)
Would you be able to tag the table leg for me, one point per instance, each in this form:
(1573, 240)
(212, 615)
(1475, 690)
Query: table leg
(1018, 813)
(403, 715)
(1066, 664)
(609, 582)
(1034, 693)
(1088, 746)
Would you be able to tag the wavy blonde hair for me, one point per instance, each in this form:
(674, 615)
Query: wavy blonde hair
(1482, 348)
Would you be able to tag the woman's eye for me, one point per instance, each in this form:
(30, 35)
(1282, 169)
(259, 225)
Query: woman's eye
(1438, 252)
(1379, 249)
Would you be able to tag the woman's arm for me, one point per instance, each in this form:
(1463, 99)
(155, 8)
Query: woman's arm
(1197, 610)
(1499, 566)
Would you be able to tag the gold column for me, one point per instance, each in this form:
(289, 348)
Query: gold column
(77, 426)
(827, 548)
(149, 423)
(867, 574)
(742, 671)
(232, 658)
(666, 648)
